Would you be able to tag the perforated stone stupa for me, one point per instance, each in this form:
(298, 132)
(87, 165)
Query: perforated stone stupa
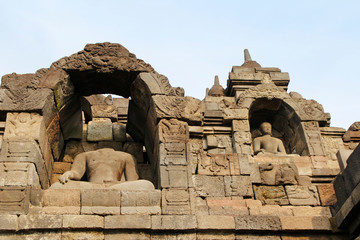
(250, 161)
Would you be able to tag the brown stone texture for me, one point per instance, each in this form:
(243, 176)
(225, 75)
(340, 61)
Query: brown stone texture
(40, 222)
(173, 222)
(14, 200)
(8, 222)
(302, 195)
(270, 210)
(305, 223)
(82, 221)
(61, 167)
(271, 195)
(100, 129)
(100, 201)
(176, 201)
(326, 194)
(212, 186)
(140, 202)
(61, 201)
(173, 154)
(227, 206)
(238, 186)
(215, 222)
(257, 223)
(174, 176)
(128, 222)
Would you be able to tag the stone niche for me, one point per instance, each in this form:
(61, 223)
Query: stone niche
(286, 124)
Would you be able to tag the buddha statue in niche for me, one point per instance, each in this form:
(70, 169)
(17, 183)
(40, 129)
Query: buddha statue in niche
(105, 168)
(267, 143)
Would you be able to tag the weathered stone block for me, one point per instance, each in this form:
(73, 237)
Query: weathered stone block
(215, 234)
(278, 174)
(271, 223)
(100, 201)
(270, 210)
(128, 222)
(230, 114)
(173, 154)
(215, 222)
(82, 222)
(28, 152)
(238, 186)
(127, 235)
(174, 176)
(174, 236)
(271, 195)
(100, 129)
(173, 131)
(305, 223)
(226, 206)
(176, 201)
(18, 174)
(173, 222)
(14, 200)
(140, 202)
(311, 211)
(62, 197)
(119, 132)
(213, 164)
(212, 186)
(326, 194)
(302, 195)
(8, 222)
(71, 235)
(61, 201)
(240, 126)
(40, 222)
(23, 126)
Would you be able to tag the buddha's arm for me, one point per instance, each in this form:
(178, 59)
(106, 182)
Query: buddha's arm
(281, 147)
(77, 169)
(257, 146)
(130, 170)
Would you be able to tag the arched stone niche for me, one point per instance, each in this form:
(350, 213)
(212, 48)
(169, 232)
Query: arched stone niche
(108, 69)
(286, 124)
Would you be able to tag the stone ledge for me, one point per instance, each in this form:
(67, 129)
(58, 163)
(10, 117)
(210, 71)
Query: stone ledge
(8, 222)
(305, 223)
(215, 222)
(40, 222)
(173, 222)
(128, 222)
(82, 221)
(271, 223)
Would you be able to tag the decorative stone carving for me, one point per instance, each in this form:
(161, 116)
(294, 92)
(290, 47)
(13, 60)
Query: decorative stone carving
(178, 107)
(173, 154)
(23, 126)
(271, 195)
(218, 164)
(173, 131)
(176, 201)
(278, 174)
(267, 143)
(104, 168)
(302, 195)
(238, 186)
(212, 186)
(14, 200)
(313, 138)
(26, 152)
(174, 176)
(104, 111)
(216, 90)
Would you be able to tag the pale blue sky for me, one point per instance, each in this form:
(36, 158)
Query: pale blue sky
(190, 42)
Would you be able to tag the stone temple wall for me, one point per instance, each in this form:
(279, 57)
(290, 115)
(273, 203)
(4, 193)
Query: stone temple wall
(209, 182)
